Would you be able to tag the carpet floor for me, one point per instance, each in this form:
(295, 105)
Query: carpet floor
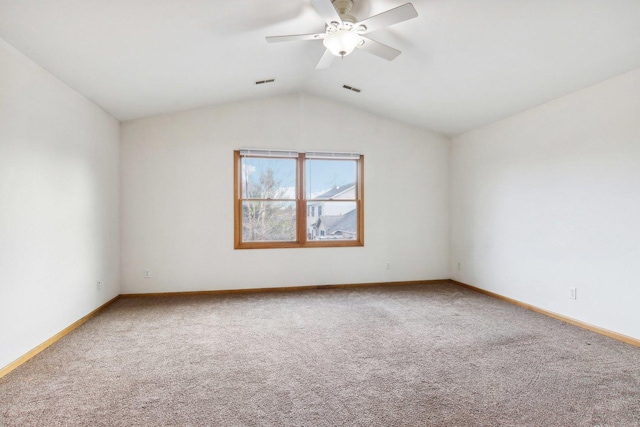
(432, 355)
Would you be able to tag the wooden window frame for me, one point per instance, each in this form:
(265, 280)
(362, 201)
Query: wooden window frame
(301, 211)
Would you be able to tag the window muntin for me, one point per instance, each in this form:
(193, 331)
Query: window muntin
(286, 199)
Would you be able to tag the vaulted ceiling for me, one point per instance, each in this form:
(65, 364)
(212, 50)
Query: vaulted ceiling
(464, 63)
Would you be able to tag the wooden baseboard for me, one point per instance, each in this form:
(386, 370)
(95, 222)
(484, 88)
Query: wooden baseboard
(285, 289)
(22, 359)
(587, 326)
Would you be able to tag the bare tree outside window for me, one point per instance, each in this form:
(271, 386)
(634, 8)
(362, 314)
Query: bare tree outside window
(268, 207)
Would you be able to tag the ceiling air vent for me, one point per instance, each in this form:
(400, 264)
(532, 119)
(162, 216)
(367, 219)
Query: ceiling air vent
(354, 89)
(261, 82)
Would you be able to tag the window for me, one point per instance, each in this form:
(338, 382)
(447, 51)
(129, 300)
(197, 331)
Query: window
(285, 199)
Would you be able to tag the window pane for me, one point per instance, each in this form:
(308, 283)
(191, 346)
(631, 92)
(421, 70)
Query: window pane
(264, 178)
(268, 221)
(330, 179)
(332, 220)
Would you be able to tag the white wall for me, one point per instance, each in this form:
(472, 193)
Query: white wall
(550, 199)
(177, 194)
(59, 204)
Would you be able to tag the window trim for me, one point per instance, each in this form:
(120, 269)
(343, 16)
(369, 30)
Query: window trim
(301, 210)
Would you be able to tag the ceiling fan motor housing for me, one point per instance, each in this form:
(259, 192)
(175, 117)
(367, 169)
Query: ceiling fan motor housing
(343, 6)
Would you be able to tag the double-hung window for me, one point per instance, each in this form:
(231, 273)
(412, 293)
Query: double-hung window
(285, 199)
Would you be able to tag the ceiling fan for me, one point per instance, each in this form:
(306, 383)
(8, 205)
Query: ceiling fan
(344, 33)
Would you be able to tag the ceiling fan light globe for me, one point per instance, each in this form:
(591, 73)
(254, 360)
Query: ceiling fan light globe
(341, 42)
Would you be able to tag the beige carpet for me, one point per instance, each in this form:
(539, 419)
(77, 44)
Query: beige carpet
(390, 356)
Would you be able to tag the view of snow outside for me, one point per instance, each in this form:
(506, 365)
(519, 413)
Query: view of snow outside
(269, 193)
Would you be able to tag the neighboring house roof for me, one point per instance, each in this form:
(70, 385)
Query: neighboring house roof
(335, 191)
(343, 223)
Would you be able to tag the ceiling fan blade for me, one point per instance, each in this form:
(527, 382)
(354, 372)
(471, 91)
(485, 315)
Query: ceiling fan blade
(390, 17)
(326, 60)
(326, 10)
(295, 38)
(379, 49)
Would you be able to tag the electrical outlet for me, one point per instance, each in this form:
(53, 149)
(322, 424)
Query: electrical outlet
(573, 293)
(147, 274)
(388, 265)
(98, 285)
(459, 265)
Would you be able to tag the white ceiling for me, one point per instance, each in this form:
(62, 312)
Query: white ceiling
(464, 63)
